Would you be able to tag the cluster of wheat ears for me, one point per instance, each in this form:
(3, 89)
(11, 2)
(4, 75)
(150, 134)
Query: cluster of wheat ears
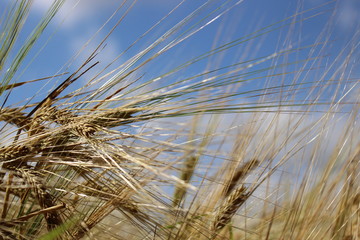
(182, 155)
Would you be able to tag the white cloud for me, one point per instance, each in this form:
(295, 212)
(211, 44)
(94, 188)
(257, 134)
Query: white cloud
(77, 11)
(349, 15)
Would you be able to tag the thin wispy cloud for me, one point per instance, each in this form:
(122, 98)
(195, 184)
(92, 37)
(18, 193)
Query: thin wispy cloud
(78, 12)
(349, 15)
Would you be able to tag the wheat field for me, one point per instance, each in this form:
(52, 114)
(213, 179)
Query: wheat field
(228, 143)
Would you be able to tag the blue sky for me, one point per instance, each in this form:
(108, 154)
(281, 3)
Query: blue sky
(78, 21)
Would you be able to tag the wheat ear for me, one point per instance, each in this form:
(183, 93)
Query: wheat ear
(229, 207)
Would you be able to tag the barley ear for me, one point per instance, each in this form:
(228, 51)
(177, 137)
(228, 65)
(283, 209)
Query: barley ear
(240, 174)
(229, 207)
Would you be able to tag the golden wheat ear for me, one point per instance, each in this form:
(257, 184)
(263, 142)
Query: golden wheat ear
(234, 196)
(240, 174)
(229, 207)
